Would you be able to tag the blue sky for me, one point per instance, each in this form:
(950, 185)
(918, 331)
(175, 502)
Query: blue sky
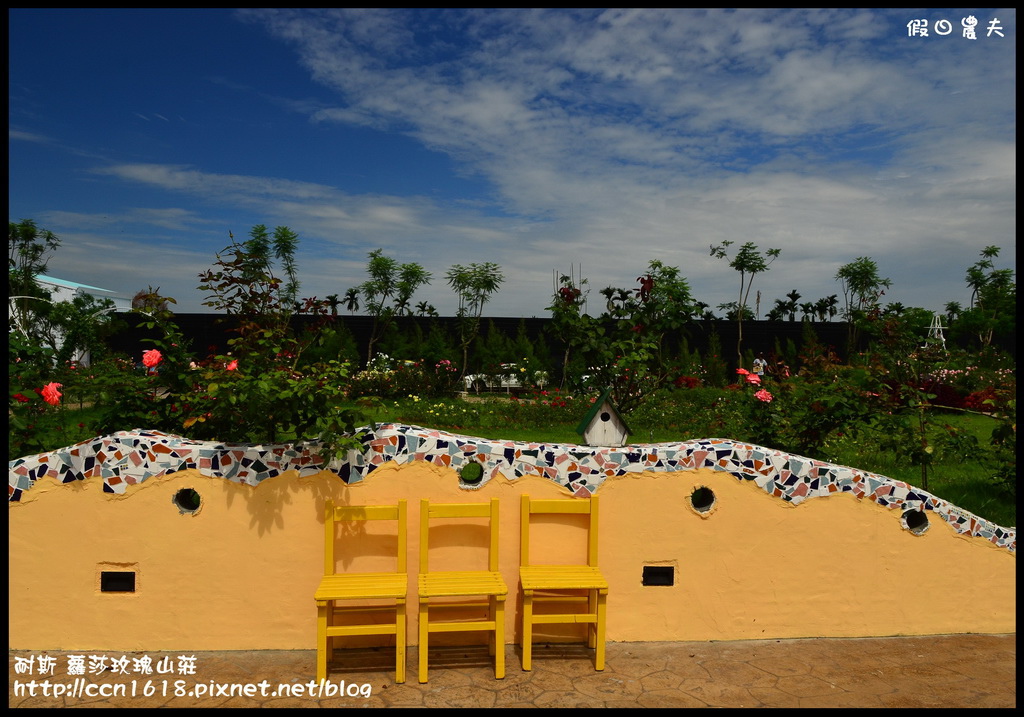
(541, 140)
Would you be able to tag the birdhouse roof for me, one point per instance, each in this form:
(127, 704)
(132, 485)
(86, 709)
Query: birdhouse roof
(604, 398)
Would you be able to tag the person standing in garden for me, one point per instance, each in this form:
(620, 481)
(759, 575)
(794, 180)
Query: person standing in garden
(759, 365)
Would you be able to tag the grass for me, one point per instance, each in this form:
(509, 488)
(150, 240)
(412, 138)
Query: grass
(955, 477)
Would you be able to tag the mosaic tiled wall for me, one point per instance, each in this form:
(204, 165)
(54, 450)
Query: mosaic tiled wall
(130, 457)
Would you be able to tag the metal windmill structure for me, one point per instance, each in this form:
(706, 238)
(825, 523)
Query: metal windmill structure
(935, 334)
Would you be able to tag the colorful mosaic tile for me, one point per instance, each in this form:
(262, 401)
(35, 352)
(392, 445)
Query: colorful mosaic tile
(130, 457)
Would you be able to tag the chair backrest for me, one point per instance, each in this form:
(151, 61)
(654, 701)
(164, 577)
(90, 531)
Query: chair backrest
(334, 514)
(561, 506)
(429, 511)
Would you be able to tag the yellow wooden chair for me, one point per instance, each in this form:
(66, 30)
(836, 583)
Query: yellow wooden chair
(462, 584)
(376, 591)
(550, 584)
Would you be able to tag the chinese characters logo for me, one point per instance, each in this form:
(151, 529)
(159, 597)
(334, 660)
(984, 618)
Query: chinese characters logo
(920, 28)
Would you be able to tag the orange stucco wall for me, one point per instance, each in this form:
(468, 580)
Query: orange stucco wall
(240, 573)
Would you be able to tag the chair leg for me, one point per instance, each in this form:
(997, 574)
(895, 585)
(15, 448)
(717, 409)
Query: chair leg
(592, 627)
(492, 635)
(602, 597)
(323, 609)
(499, 637)
(400, 638)
(527, 630)
(424, 631)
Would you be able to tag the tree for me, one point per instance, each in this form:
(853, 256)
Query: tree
(333, 301)
(75, 329)
(71, 329)
(264, 389)
(825, 308)
(953, 311)
(993, 299)
(245, 284)
(861, 283)
(624, 348)
(260, 249)
(777, 312)
(703, 312)
(749, 262)
(352, 300)
(568, 322)
(862, 286)
(150, 300)
(792, 305)
(30, 249)
(425, 309)
(732, 311)
(388, 292)
(474, 285)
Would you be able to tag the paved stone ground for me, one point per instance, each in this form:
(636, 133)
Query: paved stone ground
(947, 671)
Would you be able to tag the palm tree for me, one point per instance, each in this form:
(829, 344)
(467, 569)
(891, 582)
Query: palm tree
(425, 309)
(833, 306)
(953, 310)
(704, 312)
(333, 301)
(821, 309)
(402, 306)
(352, 300)
(792, 306)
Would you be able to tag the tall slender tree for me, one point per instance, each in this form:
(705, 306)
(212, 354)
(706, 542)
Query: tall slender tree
(749, 262)
(474, 284)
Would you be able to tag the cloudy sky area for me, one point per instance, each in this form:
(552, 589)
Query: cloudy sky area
(541, 140)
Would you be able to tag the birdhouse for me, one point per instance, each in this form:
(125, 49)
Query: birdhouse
(603, 426)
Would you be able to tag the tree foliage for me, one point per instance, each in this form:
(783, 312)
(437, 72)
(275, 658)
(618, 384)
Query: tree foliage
(71, 329)
(749, 262)
(265, 389)
(993, 308)
(862, 288)
(624, 348)
(473, 284)
(30, 248)
(388, 292)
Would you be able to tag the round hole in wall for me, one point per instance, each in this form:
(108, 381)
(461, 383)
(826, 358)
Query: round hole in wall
(702, 499)
(915, 521)
(605, 416)
(471, 473)
(187, 500)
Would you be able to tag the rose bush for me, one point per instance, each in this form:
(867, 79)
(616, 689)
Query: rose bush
(262, 390)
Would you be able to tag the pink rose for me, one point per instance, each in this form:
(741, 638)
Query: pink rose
(151, 358)
(50, 393)
(763, 395)
(233, 365)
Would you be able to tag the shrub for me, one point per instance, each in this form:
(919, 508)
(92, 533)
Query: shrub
(261, 391)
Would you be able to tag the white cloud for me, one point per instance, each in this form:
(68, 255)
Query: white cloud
(613, 137)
